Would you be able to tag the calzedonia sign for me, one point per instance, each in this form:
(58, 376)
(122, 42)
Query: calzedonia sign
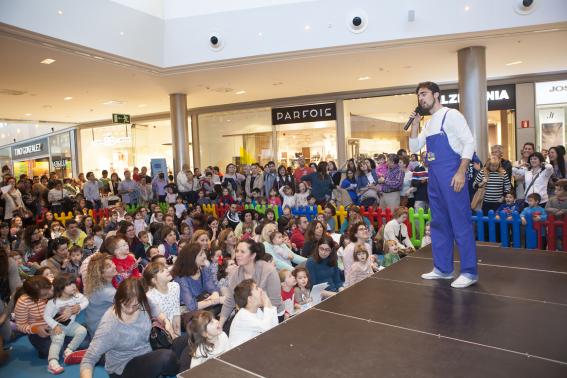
(30, 149)
(499, 97)
(306, 113)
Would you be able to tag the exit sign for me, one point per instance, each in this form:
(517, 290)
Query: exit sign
(120, 118)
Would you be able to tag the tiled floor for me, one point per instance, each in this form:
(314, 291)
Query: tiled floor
(511, 324)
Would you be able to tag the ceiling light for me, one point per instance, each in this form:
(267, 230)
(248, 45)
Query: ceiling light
(514, 63)
(98, 57)
(113, 102)
(67, 98)
(362, 78)
(307, 27)
(60, 12)
(260, 34)
(467, 8)
(121, 33)
(47, 61)
(240, 92)
(28, 114)
(142, 105)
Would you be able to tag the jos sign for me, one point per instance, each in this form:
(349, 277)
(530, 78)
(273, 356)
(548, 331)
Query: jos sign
(307, 113)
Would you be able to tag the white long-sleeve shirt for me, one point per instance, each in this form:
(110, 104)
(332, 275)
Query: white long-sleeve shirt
(288, 201)
(393, 229)
(247, 325)
(540, 184)
(456, 128)
(54, 305)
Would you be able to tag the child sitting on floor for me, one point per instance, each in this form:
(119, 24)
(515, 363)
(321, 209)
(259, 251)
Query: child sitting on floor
(206, 337)
(61, 320)
(391, 248)
(255, 315)
(126, 264)
(362, 267)
(288, 283)
(426, 236)
(301, 296)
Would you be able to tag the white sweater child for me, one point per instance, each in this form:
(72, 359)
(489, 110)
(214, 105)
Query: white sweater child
(53, 306)
(247, 325)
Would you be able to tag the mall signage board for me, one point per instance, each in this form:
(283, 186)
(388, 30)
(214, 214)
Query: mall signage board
(551, 92)
(305, 113)
(59, 164)
(120, 118)
(31, 149)
(499, 97)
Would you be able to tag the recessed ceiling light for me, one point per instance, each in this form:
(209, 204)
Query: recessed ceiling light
(113, 102)
(60, 12)
(228, 120)
(28, 114)
(362, 78)
(307, 27)
(142, 105)
(98, 57)
(67, 98)
(121, 33)
(467, 8)
(240, 92)
(260, 34)
(47, 61)
(514, 63)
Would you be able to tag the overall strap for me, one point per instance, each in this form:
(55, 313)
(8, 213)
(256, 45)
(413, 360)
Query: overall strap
(443, 120)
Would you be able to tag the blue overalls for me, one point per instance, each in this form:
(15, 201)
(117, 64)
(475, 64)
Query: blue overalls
(450, 211)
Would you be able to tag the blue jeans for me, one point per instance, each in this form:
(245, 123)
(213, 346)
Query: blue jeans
(74, 329)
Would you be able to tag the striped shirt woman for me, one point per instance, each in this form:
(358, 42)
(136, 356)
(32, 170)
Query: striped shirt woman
(494, 178)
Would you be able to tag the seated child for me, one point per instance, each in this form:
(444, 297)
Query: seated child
(288, 283)
(126, 264)
(533, 211)
(391, 248)
(65, 295)
(274, 198)
(206, 337)
(75, 259)
(283, 255)
(224, 270)
(301, 296)
(427, 236)
(255, 315)
(361, 268)
(89, 246)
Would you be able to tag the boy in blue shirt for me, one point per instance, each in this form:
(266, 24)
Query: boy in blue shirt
(509, 206)
(533, 210)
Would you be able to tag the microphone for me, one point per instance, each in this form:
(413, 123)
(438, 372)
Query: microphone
(410, 120)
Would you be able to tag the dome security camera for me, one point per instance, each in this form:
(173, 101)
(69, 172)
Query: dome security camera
(357, 21)
(524, 7)
(216, 42)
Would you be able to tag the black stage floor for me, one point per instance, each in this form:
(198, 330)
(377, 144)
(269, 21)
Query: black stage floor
(513, 323)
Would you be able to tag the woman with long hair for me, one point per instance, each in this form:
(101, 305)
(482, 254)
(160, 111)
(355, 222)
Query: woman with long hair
(196, 281)
(31, 300)
(322, 265)
(313, 235)
(321, 183)
(557, 160)
(123, 337)
(536, 177)
(367, 187)
(98, 287)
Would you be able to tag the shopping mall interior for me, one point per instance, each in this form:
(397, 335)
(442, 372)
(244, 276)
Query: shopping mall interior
(87, 86)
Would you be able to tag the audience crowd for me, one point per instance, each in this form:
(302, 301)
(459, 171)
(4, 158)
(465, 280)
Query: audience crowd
(164, 287)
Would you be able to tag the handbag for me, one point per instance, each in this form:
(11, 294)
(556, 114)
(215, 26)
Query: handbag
(159, 337)
(478, 198)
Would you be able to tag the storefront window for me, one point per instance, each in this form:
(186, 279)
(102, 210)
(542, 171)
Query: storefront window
(551, 101)
(315, 141)
(11, 131)
(60, 151)
(120, 147)
(239, 137)
(376, 125)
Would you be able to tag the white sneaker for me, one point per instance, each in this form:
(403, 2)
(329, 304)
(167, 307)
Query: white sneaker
(436, 275)
(463, 281)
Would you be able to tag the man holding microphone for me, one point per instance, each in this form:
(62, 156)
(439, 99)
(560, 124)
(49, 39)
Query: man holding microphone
(450, 147)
